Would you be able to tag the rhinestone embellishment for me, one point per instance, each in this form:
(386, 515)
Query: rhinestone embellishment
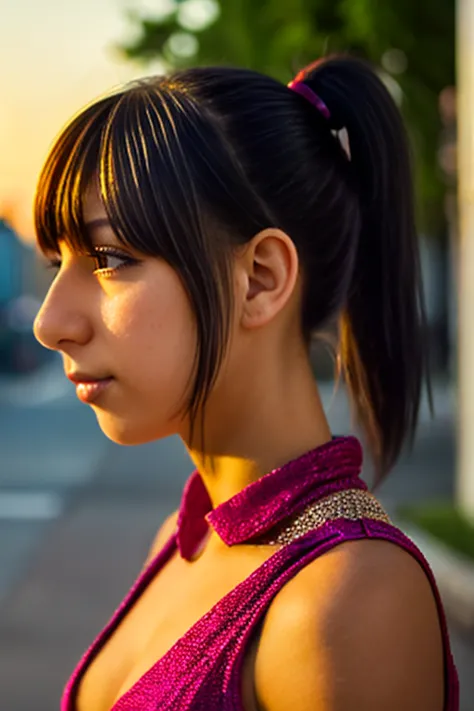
(351, 504)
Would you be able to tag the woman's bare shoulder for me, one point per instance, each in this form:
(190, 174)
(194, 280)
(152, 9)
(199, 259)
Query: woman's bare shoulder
(356, 628)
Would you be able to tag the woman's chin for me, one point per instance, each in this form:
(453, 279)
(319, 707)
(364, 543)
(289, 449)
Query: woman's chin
(126, 431)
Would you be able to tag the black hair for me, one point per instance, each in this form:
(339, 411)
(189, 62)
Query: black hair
(197, 162)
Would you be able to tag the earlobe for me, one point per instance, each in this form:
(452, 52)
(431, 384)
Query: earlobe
(271, 264)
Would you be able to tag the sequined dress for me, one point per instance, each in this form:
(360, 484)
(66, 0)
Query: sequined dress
(307, 507)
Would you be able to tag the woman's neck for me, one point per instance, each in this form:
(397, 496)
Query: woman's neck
(257, 428)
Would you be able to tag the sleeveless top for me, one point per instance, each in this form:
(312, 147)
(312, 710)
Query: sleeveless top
(307, 506)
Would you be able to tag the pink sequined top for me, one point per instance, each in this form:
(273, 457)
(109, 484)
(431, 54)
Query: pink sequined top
(202, 670)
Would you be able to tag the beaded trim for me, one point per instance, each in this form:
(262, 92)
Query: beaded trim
(352, 504)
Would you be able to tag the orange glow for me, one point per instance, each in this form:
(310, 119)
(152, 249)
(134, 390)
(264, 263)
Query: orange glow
(58, 61)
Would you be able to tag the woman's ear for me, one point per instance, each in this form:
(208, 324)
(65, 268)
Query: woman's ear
(269, 269)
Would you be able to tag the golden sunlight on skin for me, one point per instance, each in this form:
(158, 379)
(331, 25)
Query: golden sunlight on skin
(137, 326)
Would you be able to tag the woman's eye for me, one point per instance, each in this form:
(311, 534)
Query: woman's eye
(109, 261)
(105, 261)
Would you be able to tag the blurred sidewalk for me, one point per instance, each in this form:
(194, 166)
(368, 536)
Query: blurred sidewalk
(87, 558)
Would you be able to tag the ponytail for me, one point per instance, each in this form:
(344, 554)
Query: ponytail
(382, 344)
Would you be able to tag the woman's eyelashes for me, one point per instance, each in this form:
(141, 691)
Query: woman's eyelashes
(107, 260)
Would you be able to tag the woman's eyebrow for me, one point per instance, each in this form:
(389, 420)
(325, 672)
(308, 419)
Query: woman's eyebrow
(92, 227)
(98, 222)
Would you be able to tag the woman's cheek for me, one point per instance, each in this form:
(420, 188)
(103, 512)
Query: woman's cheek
(121, 313)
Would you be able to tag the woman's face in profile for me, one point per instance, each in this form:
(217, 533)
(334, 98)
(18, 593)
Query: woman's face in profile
(125, 316)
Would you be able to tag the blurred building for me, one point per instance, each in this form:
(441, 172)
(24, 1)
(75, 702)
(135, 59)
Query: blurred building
(17, 264)
(11, 277)
(19, 351)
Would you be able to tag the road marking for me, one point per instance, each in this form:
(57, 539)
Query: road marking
(30, 506)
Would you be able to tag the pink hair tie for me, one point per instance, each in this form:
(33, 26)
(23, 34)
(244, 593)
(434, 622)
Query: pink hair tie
(303, 89)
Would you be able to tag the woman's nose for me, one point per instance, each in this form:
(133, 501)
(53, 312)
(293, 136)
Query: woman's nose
(62, 319)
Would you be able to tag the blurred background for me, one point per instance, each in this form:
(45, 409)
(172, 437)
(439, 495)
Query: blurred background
(78, 513)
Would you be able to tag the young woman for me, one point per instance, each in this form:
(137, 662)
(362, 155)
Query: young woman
(204, 226)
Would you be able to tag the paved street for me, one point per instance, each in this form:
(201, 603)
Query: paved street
(77, 514)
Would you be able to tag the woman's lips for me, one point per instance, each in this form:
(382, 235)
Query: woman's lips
(91, 390)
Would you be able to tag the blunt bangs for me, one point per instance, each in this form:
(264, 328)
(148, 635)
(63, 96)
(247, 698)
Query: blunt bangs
(69, 168)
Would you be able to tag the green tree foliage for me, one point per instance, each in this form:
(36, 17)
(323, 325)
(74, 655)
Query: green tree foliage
(412, 41)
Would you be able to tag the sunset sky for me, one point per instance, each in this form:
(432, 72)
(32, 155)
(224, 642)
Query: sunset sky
(56, 55)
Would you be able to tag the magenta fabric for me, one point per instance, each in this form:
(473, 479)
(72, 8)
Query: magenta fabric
(202, 670)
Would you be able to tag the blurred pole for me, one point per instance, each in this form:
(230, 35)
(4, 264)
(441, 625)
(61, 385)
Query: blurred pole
(465, 153)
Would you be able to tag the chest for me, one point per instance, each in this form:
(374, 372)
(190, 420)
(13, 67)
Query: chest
(175, 600)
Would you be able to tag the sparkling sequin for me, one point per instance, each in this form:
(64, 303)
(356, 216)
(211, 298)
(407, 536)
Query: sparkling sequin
(307, 507)
(351, 504)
